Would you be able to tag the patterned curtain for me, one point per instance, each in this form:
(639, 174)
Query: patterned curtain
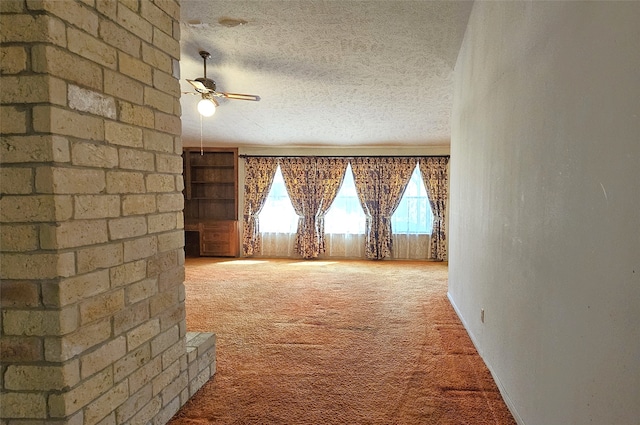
(380, 183)
(312, 184)
(436, 180)
(300, 180)
(330, 176)
(257, 183)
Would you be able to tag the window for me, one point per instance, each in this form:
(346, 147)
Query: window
(413, 215)
(345, 216)
(278, 215)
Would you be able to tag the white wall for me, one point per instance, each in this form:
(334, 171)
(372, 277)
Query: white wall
(545, 206)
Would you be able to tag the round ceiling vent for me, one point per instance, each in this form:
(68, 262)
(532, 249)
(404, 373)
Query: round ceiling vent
(231, 22)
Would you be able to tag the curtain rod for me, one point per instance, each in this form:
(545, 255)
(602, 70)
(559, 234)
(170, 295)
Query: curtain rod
(342, 156)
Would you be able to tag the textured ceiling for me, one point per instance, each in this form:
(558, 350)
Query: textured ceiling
(329, 72)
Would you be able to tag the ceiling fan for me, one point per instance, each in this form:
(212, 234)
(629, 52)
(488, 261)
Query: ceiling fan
(206, 87)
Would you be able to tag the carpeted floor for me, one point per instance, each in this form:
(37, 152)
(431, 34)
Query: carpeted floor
(347, 342)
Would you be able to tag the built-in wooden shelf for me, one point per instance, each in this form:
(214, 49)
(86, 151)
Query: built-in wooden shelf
(211, 201)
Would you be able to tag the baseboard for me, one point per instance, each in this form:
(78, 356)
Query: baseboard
(501, 388)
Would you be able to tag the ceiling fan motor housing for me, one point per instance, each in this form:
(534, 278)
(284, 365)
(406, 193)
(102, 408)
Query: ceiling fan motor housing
(208, 83)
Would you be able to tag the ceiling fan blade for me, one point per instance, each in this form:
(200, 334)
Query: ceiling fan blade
(240, 96)
(200, 88)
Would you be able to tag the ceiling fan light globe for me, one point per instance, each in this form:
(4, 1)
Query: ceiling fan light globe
(206, 108)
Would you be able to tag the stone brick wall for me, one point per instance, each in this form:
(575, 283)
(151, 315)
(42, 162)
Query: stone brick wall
(92, 263)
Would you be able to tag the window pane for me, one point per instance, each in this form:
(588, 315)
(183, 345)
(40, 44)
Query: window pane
(345, 216)
(414, 214)
(278, 215)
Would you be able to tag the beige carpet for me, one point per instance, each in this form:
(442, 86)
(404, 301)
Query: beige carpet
(348, 342)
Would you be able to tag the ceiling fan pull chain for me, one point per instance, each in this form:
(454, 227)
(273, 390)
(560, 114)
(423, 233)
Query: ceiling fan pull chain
(201, 150)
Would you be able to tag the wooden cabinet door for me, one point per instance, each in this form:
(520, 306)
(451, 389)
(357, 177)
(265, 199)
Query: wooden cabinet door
(219, 239)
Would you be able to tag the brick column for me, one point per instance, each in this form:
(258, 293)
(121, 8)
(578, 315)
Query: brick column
(92, 264)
